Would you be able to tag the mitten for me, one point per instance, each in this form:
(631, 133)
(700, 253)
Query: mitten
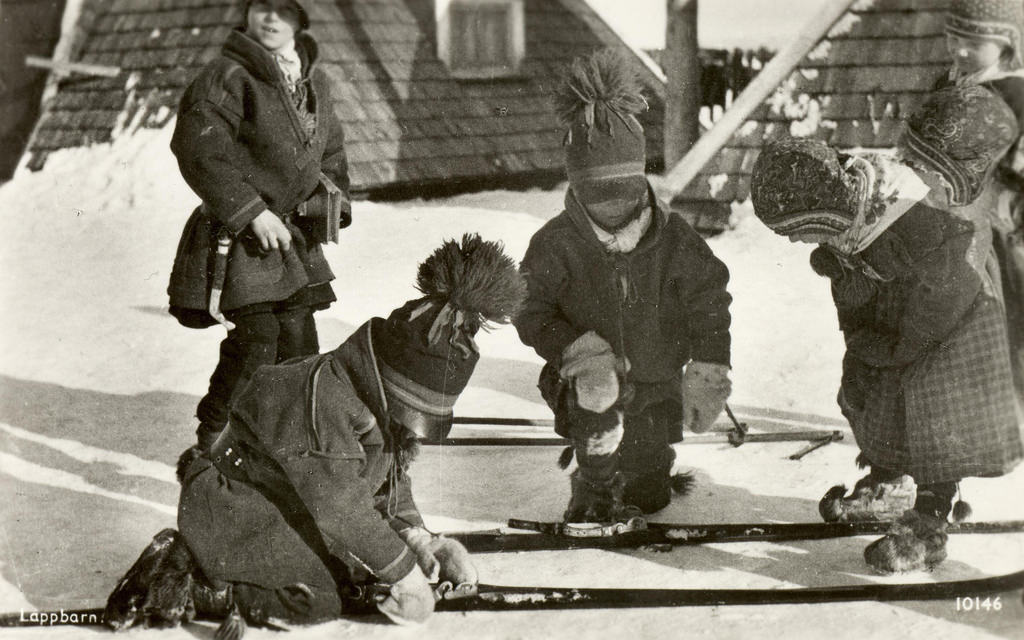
(439, 557)
(590, 364)
(826, 263)
(410, 601)
(419, 540)
(706, 387)
(456, 565)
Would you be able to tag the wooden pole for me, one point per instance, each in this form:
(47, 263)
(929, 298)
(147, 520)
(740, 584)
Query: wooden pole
(682, 69)
(776, 71)
(63, 68)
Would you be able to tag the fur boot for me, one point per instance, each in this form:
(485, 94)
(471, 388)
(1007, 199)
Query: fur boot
(871, 500)
(157, 589)
(597, 500)
(648, 477)
(916, 541)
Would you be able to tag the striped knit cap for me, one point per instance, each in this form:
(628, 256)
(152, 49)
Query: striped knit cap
(960, 133)
(425, 349)
(799, 185)
(597, 101)
(1000, 21)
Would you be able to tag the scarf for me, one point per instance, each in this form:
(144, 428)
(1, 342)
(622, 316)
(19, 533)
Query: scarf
(288, 60)
(625, 239)
(888, 189)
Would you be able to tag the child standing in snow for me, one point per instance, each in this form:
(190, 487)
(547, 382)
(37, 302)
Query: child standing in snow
(926, 379)
(985, 40)
(622, 295)
(305, 498)
(258, 140)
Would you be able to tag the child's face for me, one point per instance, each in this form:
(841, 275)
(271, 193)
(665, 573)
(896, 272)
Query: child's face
(810, 237)
(273, 23)
(972, 55)
(611, 202)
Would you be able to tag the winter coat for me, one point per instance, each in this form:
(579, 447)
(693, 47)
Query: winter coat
(308, 480)
(659, 305)
(926, 380)
(243, 147)
(1007, 215)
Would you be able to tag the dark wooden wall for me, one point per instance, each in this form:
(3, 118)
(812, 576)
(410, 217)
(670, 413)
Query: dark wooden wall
(27, 27)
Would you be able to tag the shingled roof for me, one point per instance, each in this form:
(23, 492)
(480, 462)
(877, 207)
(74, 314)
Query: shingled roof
(852, 90)
(408, 121)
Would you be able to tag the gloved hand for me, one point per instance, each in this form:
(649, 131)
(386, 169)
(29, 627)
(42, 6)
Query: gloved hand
(456, 565)
(411, 600)
(706, 387)
(590, 364)
(418, 539)
(439, 557)
(825, 263)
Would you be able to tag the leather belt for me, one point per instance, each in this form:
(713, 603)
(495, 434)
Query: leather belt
(226, 455)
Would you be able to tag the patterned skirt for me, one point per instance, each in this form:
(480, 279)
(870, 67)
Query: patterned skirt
(949, 415)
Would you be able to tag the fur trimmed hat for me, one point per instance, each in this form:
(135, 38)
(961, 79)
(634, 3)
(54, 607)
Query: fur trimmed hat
(960, 133)
(303, 14)
(597, 100)
(425, 348)
(1000, 21)
(799, 184)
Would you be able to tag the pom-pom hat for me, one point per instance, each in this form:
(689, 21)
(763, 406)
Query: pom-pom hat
(597, 100)
(425, 348)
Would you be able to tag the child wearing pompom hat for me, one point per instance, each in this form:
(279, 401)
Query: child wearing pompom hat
(986, 40)
(926, 382)
(305, 496)
(622, 296)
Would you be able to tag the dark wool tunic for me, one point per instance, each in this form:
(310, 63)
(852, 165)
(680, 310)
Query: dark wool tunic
(659, 305)
(926, 378)
(322, 424)
(243, 147)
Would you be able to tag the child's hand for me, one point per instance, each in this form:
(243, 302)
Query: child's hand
(271, 232)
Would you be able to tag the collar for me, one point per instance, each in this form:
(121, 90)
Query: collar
(356, 359)
(260, 62)
(990, 74)
(628, 237)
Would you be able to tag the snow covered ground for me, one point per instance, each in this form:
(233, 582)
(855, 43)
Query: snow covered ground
(98, 385)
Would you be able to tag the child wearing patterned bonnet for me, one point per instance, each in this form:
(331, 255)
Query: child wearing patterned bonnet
(926, 382)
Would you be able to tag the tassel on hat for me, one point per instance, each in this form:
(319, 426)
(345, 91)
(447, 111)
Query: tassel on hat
(475, 278)
(597, 100)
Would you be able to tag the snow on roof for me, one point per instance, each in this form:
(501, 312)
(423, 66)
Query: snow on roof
(408, 121)
(852, 90)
